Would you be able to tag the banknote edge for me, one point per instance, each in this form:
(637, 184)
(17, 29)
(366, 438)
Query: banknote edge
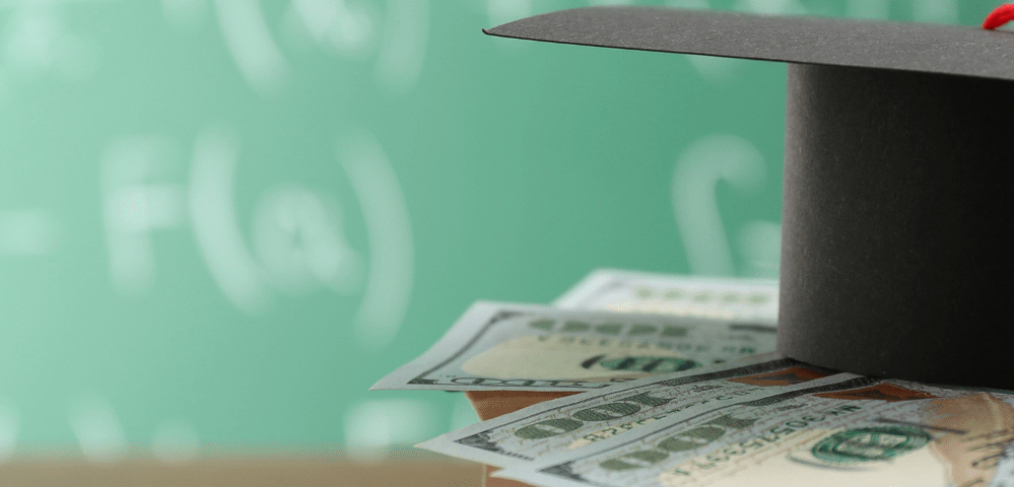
(843, 379)
(403, 378)
(450, 442)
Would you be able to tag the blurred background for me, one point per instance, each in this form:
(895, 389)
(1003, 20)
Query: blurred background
(221, 221)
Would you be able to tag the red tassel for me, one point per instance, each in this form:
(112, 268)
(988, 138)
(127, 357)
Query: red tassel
(998, 17)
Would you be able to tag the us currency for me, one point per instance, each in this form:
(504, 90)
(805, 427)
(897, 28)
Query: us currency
(857, 431)
(732, 299)
(499, 346)
(581, 420)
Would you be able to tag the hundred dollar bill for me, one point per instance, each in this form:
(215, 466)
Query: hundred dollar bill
(577, 421)
(497, 346)
(859, 431)
(732, 299)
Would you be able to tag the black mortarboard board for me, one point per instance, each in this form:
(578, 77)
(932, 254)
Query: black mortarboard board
(898, 182)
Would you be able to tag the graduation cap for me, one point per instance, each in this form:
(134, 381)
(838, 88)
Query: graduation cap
(898, 180)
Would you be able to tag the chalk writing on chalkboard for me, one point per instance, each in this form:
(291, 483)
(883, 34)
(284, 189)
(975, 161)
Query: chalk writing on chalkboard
(298, 239)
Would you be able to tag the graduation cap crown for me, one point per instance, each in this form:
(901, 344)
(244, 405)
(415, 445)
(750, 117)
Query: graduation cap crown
(897, 180)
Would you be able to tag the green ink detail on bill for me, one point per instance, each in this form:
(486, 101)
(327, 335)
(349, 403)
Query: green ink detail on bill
(733, 423)
(870, 444)
(674, 294)
(606, 412)
(542, 324)
(642, 330)
(574, 326)
(703, 297)
(648, 400)
(759, 298)
(652, 365)
(638, 459)
(609, 329)
(693, 439)
(548, 428)
(674, 331)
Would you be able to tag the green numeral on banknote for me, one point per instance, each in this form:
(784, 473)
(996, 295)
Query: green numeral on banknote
(604, 412)
(686, 440)
(607, 411)
(546, 325)
(638, 459)
(651, 364)
(547, 428)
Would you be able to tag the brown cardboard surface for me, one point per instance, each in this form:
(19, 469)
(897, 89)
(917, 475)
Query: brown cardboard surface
(253, 471)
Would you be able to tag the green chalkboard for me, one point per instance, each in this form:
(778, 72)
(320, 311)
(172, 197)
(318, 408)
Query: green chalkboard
(222, 221)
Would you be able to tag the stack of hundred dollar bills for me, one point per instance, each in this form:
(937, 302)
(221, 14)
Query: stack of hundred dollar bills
(681, 387)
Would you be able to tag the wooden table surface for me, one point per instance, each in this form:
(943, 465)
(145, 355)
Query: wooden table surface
(245, 471)
(406, 468)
